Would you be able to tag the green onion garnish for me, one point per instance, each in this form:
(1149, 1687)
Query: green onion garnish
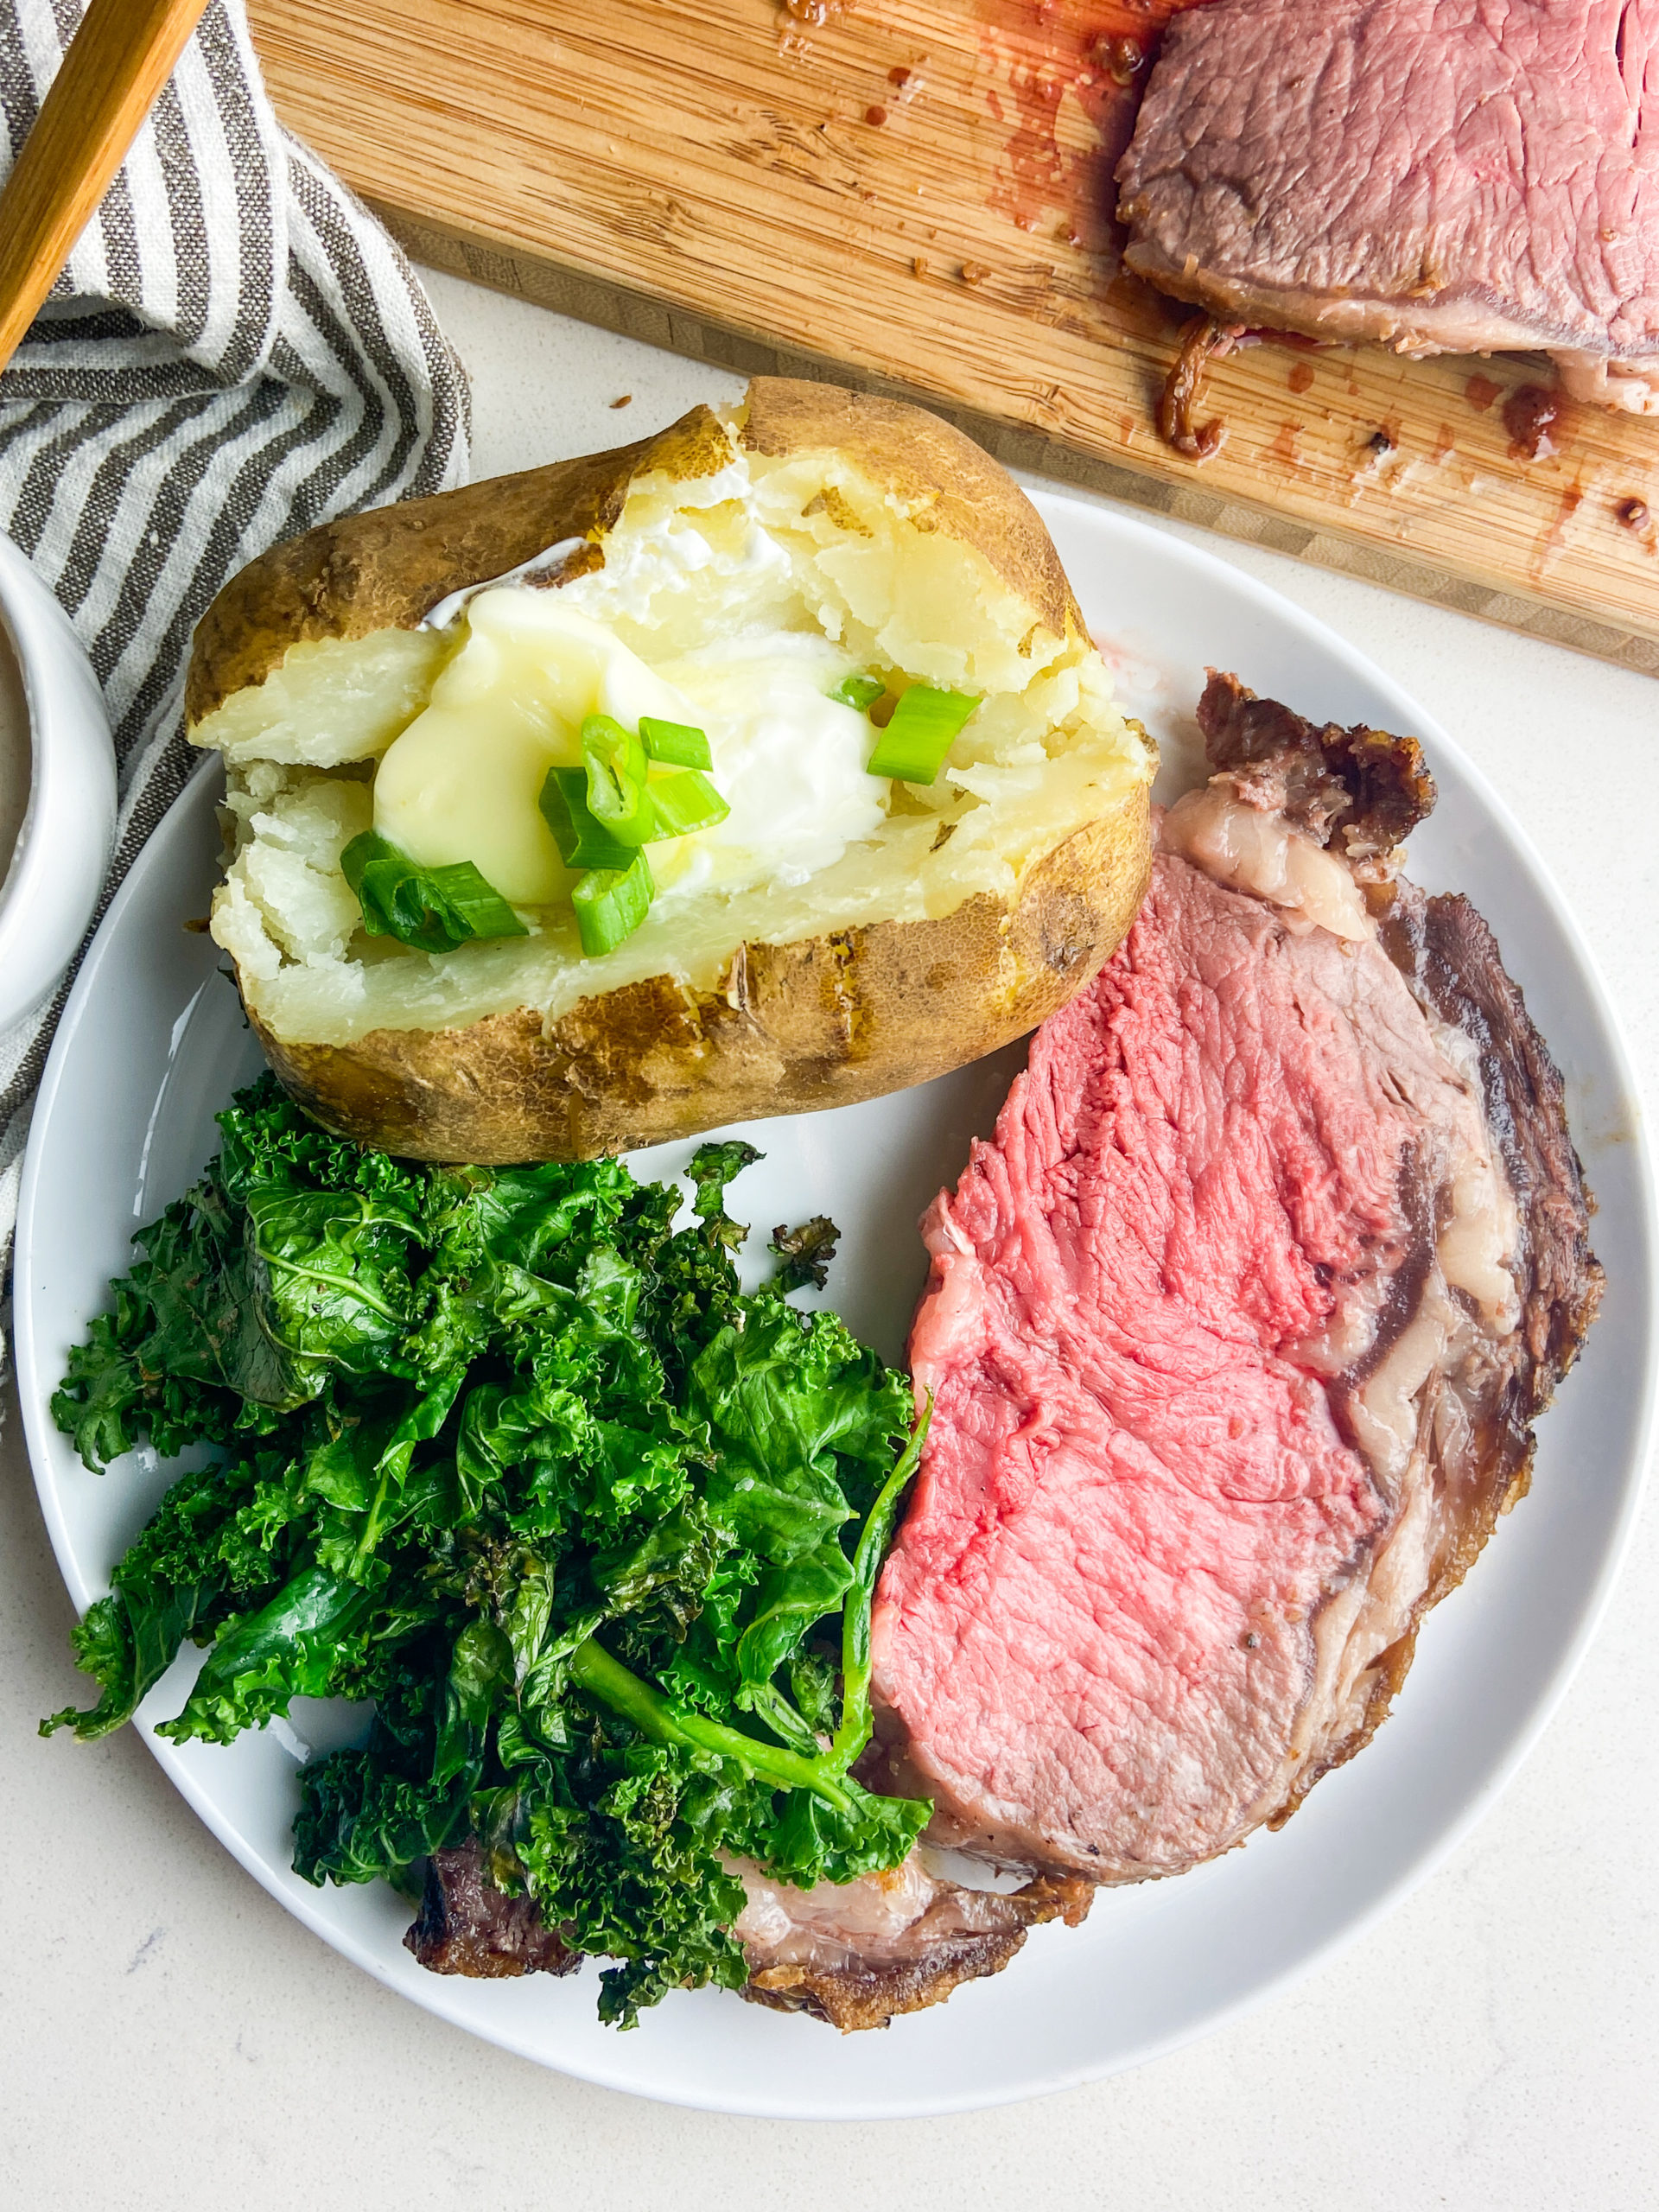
(859, 691)
(582, 841)
(685, 802)
(913, 745)
(676, 743)
(477, 901)
(616, 761)
(431, 909)
(611, 903)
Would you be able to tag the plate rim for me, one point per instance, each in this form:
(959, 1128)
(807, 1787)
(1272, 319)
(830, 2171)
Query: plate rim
(1418, 1866)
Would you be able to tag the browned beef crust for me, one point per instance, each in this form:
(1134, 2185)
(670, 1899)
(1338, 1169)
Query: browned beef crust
(869, 1995)
(1362, 789)
(1451, 959)
(466, 1925)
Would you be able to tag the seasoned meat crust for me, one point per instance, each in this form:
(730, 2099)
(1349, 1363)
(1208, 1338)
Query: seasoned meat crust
(857, 1956)
(1236, 1334)
(1362, 789)
(466, 1925)
(1452, 961)
(1438, 175)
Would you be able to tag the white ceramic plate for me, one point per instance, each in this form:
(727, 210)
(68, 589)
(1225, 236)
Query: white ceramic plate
(152, 1044)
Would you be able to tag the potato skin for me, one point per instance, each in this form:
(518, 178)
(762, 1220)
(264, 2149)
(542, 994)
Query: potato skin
(386, 569)
(789, 1028)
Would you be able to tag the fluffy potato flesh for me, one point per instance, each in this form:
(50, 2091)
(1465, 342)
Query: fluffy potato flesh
(734, 592)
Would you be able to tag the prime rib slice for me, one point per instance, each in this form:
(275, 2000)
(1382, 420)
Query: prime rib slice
(1440, 176)
(1235, 1334)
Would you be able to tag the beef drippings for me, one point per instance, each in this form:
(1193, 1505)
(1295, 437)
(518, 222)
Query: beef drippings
(1532, 416)
(1202, 342)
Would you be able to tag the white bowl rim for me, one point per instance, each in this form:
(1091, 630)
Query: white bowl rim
(51, 887)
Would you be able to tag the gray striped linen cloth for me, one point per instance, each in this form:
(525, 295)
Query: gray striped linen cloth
(236, 350)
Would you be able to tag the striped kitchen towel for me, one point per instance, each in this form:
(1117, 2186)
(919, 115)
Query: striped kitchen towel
(235, 351)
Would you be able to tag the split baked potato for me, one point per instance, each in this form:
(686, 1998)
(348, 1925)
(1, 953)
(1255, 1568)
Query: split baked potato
(838, 933)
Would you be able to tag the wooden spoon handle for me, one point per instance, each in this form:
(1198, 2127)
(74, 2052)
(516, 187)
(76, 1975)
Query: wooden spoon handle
(117, 61)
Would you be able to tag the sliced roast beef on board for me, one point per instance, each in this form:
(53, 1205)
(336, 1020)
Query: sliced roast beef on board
(1441, 175)
(1234, 1335)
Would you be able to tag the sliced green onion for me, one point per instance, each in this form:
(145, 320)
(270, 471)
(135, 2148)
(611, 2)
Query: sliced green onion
(582, 841)
(480, 905)
(678, 743)
(859, 691)
(611, 903)
(616, 761)
(913, 745)
(430, 909)
(685, 802)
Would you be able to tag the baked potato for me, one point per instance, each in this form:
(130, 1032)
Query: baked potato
(770, 581)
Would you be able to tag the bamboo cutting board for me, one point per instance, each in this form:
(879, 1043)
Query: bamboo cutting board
(914, 196)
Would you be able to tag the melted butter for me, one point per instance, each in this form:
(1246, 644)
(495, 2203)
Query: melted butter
(463, 781)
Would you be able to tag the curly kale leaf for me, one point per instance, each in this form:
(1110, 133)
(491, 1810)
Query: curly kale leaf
(304, 1642)
(537, 1219)
(361, 1820)
(789, 1399)
(327, 1272)
(508, 1246)
(253, 1290)
(622, 1856)
(182, 1356)
(806, 1840)
(577, 1517)
(805, 1253)
(195, 1562)
(266, 1138)
(126, 1642)
(372, 1813)
(113, 1396)
(713, 1166)
(812, 1685)
(365, 1476)
(703, 1671)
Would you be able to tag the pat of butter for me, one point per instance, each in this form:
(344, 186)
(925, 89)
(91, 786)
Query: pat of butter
(464, 780)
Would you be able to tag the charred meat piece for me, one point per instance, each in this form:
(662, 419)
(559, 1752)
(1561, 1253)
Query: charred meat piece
(889, 1943)
(1438, 175)
(466, 1925)
(1235, 1333)
(1359, 789)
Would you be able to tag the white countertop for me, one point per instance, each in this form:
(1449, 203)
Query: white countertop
(171, 2037)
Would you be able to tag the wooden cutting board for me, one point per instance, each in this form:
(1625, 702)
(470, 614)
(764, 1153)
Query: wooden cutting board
(916, 197)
